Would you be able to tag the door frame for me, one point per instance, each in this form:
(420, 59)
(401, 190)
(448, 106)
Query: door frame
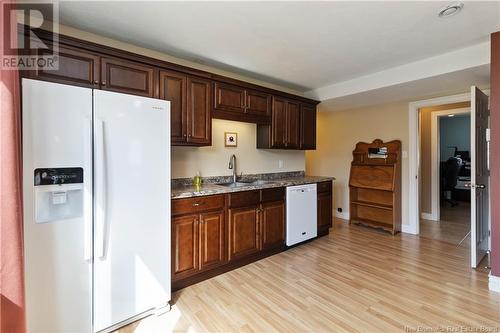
(435, 214)
(413, 227)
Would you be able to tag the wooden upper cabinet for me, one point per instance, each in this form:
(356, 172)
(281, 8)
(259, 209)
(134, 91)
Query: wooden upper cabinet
(292, 125)
(76, 67)
(184, 246)
(236, 103)
(212, 242)
(173, 88)
(229, 98)
(286, 127)
(307, 126)
(199, 121)
(278, 123)
(243, 232)
(258, 103)
(128, 77)
(273, 225)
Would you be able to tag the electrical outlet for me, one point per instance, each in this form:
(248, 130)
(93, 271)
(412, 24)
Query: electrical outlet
(339, 210)
(280, 164)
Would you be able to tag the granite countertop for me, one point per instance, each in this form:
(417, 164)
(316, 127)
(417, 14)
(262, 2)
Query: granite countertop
(189, 191)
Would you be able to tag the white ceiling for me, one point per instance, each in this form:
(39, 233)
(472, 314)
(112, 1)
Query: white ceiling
(300, 45)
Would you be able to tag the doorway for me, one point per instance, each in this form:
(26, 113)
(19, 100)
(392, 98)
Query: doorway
(445, 173)
(479, 184)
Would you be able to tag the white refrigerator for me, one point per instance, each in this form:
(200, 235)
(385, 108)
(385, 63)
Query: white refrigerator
(96, 192)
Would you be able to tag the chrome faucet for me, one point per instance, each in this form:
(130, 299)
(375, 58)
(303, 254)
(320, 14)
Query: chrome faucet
(232, 166)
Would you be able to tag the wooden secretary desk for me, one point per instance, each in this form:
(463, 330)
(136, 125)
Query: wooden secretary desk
(375, 185)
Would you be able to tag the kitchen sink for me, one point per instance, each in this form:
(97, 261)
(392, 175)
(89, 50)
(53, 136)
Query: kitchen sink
(237, 184)
(245, 183)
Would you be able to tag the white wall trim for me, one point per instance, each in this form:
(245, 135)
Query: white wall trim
(408, 229)
(435, 214)
(428, 216)
(494, 283)
(414, 155)
(343, 215)
(468, 57)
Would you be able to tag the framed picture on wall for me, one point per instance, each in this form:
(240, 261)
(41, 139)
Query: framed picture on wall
(230, 139)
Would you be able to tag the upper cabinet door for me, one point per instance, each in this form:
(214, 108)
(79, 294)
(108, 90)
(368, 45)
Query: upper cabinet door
(199, 122)
(173, 88)
(128, 77)
(258, 103)
(278, 123)
(229, 98)
(292, 125)
(76, 67)
(307, 126)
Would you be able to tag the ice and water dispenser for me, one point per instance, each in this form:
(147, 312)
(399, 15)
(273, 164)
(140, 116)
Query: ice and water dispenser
(58, 194)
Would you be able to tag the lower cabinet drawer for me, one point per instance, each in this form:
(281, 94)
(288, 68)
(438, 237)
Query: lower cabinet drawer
(197, 204)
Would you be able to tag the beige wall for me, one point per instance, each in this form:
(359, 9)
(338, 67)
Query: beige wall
(214, 160)
(426, 152)
(338, 133)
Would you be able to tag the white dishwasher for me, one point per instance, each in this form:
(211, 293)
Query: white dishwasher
(301, 213)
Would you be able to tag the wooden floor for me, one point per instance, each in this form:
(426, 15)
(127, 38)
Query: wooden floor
(453, 227)
(353, 280)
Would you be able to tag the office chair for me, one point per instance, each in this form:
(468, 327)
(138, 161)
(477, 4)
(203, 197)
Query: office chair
(449, 179)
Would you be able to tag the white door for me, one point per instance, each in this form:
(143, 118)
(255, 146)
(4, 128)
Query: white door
(57, 218)
(132, 207)
(479, 176)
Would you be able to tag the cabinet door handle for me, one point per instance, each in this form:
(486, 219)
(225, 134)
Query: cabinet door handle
(196, 204)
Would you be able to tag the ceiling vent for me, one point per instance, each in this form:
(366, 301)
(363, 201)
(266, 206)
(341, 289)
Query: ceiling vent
(451, 9)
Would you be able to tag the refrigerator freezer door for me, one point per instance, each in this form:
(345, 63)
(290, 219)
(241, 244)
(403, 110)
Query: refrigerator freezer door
(132, 207)
(57, 134)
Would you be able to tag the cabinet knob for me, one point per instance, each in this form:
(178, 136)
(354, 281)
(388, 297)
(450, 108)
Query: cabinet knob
(103, 83)
(96, 82)
(185, 135)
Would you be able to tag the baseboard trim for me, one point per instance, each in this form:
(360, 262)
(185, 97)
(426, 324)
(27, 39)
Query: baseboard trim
(494, 283)
(408, 229)
(428, 216)
(342, 215)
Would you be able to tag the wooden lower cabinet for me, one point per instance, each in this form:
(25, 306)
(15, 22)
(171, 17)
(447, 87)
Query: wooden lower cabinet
(199, 238)
(273, 224)
(185, 246)
(214, 234)
(324, 207)
(243, 232)
(324, 213)
(212, 240)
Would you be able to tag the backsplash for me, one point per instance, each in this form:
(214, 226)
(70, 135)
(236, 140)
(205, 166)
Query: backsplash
(213, 161)
(227, 179)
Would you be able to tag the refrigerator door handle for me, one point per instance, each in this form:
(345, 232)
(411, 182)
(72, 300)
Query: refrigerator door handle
(100, 189)
(87, 247)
